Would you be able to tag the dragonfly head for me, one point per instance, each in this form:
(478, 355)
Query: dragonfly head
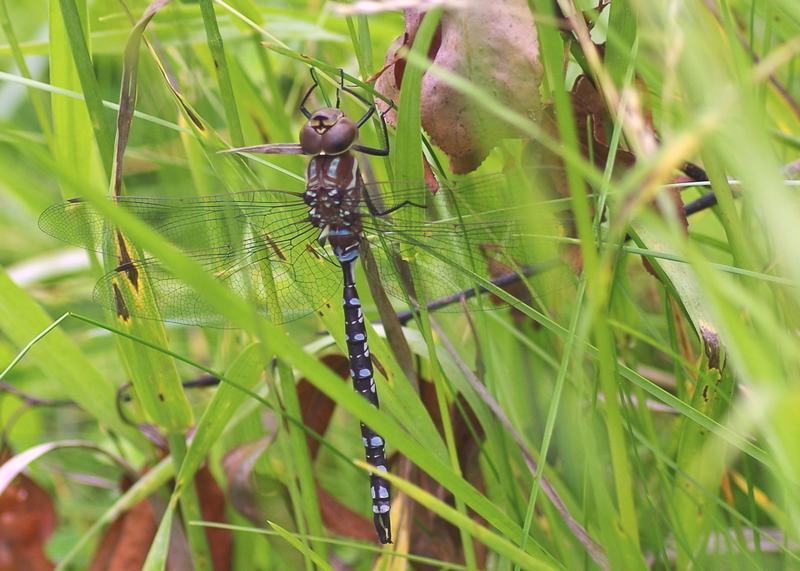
(328, 132)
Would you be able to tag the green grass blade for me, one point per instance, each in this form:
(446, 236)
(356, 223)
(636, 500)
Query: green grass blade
(223, 75)
(75, 30)
(60, 358)
(408, 142)
(245, 371)
(159, 549)
(482, 534)
(297, 544)
(301, 457)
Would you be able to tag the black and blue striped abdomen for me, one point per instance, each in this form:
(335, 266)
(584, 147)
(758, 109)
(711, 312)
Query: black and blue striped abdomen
(364, 384)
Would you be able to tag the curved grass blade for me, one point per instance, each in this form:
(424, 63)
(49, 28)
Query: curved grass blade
(20, 461)
(245, 372)
(159, 549)
(492, 540)
(58, 357)
(297, 544)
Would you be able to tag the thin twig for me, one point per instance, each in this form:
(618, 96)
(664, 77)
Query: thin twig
(32, 400)
(455, 297)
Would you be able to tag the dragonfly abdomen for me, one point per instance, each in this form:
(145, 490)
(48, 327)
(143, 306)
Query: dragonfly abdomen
(364, 384)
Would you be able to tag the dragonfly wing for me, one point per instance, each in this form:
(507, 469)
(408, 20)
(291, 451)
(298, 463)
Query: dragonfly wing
(72, 222)
(192, 223)
(445, 263)
(282, 288)
(270, 149)
(481, 192)
(482, 229)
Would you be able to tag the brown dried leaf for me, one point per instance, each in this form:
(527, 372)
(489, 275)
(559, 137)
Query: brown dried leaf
(341, 520)
(493, 45)
(592, 116)
(238, 466)
(126, 542)
(212, 506)
(316, 408)
(27, 519)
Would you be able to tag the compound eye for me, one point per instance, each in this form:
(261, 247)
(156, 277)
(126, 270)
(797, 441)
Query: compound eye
(310, 140)
(340, 136)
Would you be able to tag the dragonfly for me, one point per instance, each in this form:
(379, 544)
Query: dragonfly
(282, 250)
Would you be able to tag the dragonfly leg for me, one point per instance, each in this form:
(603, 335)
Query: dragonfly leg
(342, 87)
(339, 89)
(375, 211)
(377, 152)
(303, 109)
(364, 384)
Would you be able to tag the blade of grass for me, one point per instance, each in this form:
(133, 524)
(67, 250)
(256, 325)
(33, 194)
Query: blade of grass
(493, 541)
(301, 461)
(37, 99)
(408, 143)
(217, 49)
(159, 549)
(74, 147)
(75, 95)
(76, 30)
(58, 357)
(245, 371)
(300, 546)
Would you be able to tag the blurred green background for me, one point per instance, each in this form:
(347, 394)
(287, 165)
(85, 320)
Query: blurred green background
(664, 410)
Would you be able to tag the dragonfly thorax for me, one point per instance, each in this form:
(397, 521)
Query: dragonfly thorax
(333, 195)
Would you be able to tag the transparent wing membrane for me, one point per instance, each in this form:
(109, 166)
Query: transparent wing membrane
(191, 222)
(480, 227)
(283, 290)
(260, 244)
